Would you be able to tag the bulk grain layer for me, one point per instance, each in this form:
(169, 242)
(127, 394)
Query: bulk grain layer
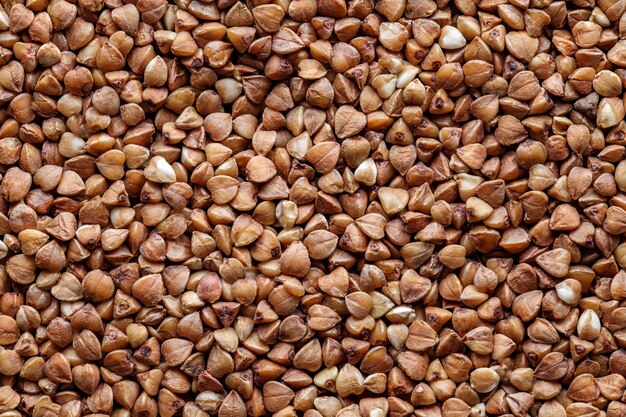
(312, 208)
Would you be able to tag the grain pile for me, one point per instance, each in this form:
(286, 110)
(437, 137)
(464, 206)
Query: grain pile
(316, 208)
